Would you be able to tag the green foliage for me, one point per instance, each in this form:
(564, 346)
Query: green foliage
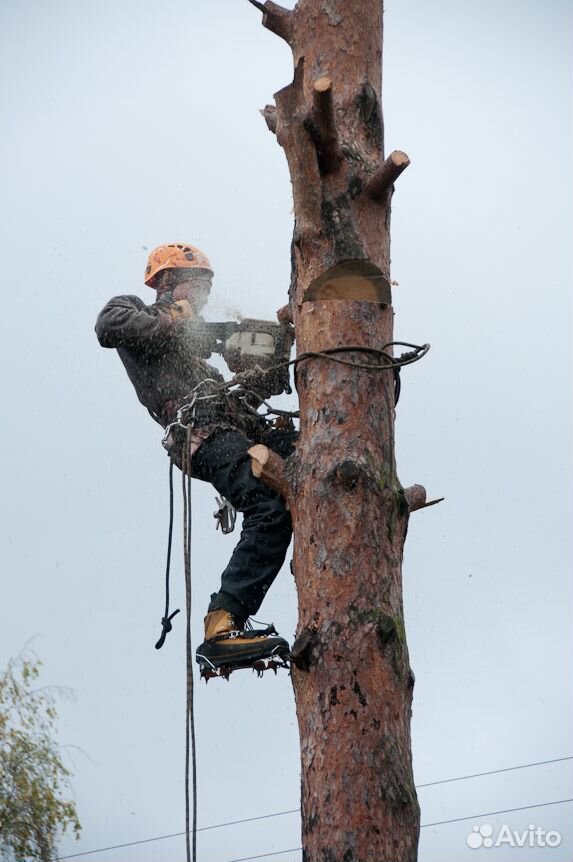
(32, 775)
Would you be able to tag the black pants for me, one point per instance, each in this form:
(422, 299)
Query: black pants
(222, 460)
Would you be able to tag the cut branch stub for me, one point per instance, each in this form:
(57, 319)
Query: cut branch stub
(303, 162)
(276, 18)
(382, 181)
(348, 474)
(269, 112)
(325, 126)
(416, 498)
(269, 467)
(301, 654)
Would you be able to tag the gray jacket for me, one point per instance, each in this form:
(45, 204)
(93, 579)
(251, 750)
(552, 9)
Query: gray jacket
(164, 364)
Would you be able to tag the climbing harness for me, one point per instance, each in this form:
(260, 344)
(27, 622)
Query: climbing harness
(185, 412)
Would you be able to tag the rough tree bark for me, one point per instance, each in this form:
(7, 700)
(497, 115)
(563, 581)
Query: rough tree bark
(352, 678)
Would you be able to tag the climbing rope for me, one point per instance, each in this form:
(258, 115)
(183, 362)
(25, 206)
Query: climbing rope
(166, 624)
(190, 749)
(243, 379)
(417, 352)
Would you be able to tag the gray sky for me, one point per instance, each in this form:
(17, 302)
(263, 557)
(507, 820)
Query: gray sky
(130, 124)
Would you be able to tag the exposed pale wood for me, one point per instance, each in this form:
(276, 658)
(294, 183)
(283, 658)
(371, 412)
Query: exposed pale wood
(269, 467)
(382, 181)
(284, 314)
(325, 124)
(353, 280)
(416, 498)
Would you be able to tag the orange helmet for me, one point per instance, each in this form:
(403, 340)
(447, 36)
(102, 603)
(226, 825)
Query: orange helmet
(175, 255)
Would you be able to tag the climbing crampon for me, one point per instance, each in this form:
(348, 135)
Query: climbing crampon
(259, 650)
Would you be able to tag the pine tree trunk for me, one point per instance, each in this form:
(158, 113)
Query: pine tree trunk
(352, 679)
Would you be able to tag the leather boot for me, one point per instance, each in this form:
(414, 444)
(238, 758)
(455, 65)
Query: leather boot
(221, 622)
(230, 646)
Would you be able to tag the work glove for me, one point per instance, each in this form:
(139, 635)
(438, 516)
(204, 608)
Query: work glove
(179, 310)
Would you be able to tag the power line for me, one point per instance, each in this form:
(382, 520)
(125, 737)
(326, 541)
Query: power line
(423, 826)
(296, 811)
(265, 855)
(177, 834)
(493, 772)
(493, 813)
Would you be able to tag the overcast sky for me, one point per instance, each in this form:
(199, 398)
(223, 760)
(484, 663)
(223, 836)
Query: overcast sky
(128, 124)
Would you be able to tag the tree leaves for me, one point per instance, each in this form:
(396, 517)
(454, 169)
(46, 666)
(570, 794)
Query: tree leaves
(32, 774)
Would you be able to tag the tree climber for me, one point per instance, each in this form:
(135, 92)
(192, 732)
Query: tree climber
(165, 359)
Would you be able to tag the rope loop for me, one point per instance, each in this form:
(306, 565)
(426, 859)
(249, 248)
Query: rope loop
(166, 627)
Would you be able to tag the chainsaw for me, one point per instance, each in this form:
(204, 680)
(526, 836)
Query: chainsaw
(248, 345)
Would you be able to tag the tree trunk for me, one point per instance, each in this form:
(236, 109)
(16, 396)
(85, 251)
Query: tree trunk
(352, 679)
